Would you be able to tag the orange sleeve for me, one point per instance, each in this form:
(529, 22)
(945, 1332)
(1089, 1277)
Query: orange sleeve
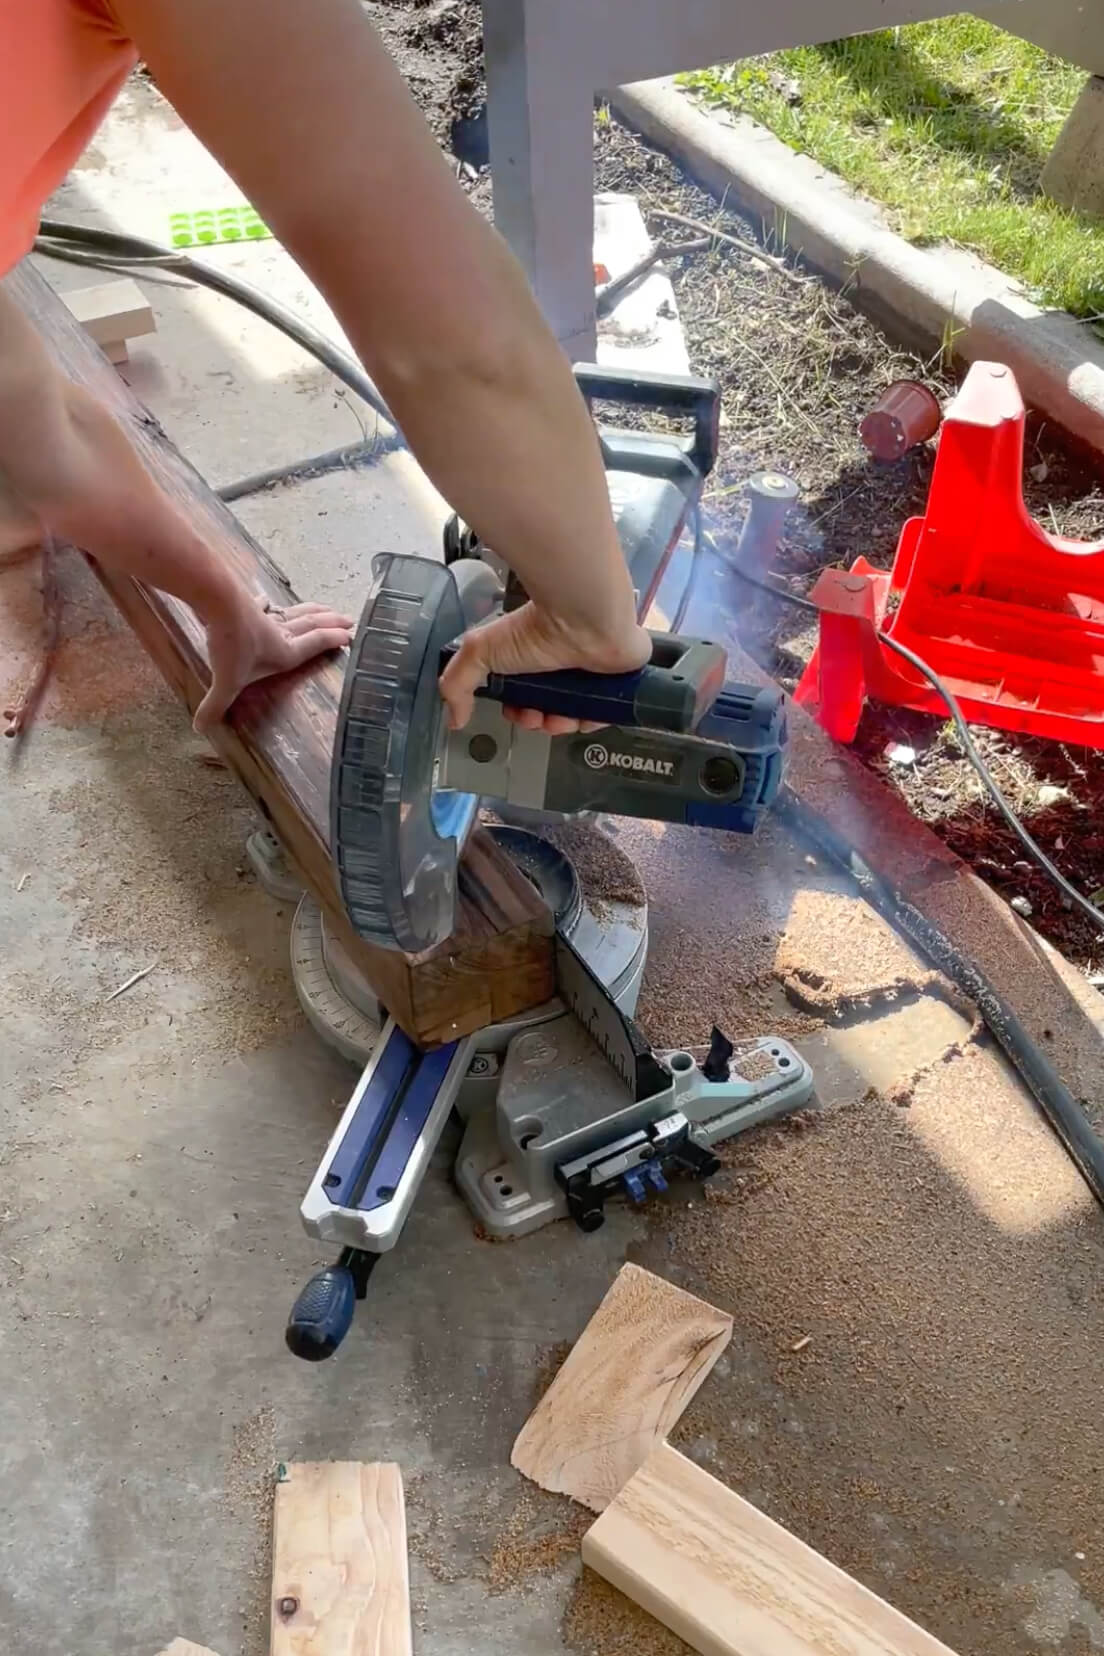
(62, 63)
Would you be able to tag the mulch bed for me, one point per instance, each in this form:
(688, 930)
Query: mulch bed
(799, 366)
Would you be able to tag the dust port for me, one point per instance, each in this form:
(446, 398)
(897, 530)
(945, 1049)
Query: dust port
(681, 1063)
(719, 776)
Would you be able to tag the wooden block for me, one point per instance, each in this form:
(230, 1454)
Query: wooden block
(339, 1567)
(111, 313)
(279, 737)
(732, 1582)
(627, 1380)
(184, 1647)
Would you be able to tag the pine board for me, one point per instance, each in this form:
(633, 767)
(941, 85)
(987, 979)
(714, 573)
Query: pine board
(627, 1380)
(732, 1582)
(340, 1582)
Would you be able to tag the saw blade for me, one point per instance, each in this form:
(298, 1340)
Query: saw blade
(395, 837)
(616, 1036)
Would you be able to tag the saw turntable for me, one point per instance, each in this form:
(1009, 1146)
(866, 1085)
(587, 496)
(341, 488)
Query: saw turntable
(565, 1107)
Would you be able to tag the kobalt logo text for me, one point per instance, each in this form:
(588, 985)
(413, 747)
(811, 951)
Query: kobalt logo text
(600, 758)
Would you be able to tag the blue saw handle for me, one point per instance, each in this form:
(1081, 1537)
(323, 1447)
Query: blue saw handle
(673, 692)
(322, 1315)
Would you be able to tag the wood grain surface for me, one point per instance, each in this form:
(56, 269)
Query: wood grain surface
(625, 1383)
(339, 1567)
(732, 1582)
(279, 736)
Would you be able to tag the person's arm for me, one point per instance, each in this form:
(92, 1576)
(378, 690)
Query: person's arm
(303, 106)
(68, 463)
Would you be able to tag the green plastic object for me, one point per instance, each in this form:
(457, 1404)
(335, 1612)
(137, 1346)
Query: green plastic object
(217, 224)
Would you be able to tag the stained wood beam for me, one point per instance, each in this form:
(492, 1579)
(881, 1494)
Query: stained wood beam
(279, 736)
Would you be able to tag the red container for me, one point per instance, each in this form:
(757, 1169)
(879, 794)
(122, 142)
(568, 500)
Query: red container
(907, 414)
(1010, 616)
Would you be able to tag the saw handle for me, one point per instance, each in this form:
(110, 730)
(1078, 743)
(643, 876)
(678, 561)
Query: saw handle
(673, 692)
(323, 1314)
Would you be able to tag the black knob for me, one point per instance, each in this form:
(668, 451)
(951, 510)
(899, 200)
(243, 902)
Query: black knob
(718, 1062)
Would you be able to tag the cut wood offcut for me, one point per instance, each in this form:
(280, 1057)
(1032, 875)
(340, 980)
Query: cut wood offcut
(631, 1374)
(184, 1647)
(111, 313)
(732, 1582)
(340, 1583)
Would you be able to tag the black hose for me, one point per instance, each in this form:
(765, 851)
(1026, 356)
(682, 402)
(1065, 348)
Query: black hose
(57, 240)
(348, 458)
(1061, 1108)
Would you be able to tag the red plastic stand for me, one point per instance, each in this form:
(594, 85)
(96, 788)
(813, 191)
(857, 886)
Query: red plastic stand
(1009, 616)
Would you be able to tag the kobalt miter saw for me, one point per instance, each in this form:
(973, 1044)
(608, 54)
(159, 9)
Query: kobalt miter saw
(567, 1106)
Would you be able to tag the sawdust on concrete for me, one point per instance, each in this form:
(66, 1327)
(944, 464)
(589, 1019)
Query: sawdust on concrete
(162, 876)
(540, 1535)
(98, 668)
(916, 1336)
(715, 912)
(600, 1621)
(248, 1492)
(836, 953)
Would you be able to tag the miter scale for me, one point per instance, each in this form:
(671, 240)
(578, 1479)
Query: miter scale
(568, 1106)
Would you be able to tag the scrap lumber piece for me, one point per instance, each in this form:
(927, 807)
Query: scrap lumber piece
(111, 313)
(732, 1582)
(279, 735)
(184, 1647)
(340, 1582)
(625, 1383)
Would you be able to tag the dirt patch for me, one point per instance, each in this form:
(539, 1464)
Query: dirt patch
(438, 45)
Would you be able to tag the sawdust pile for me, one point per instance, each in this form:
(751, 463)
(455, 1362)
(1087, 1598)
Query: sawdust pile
(836, 953)
(541, 1535)
(251, 1470)
(600, 1621)
(605, 873)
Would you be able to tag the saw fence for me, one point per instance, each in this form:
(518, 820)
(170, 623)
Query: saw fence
(279, 737)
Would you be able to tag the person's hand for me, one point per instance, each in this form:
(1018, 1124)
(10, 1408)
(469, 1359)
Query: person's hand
(530, 640)
(246, 641)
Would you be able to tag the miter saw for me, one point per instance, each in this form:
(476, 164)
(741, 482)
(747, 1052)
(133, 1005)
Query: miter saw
(566, 1106)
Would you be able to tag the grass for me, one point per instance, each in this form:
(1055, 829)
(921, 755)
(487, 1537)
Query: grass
(947, 124)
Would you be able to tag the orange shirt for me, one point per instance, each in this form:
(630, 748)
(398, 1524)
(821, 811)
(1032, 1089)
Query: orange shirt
(62, 63)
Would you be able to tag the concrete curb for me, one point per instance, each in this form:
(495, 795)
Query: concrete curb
(930, 296)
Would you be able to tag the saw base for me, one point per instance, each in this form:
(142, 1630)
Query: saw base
(556, 1099)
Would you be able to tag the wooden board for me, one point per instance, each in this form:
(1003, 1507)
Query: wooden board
(732, 1582)
(339, 1567)
(279, 737)
(184, 1647)
(630, 1375)
(111, 312)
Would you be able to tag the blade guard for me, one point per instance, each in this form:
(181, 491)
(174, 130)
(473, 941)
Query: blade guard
(395, 840)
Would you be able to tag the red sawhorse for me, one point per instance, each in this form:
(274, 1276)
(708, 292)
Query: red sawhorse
(1009, 616)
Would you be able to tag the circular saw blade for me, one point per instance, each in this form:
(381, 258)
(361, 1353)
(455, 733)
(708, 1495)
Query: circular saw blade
(395, 837)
